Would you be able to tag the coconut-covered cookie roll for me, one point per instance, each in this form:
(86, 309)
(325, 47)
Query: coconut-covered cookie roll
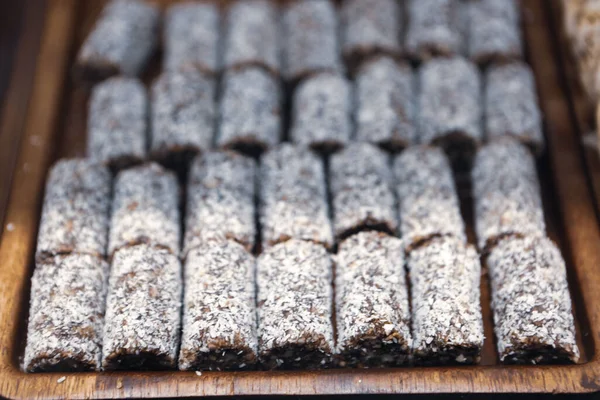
(428, 202)
(66, 314)
(372, 313)
(145, 209)
(183, 116)
(141, 329)
(220, 200)
(362, 190)
(370, 27)
(294, 306)
(76, 209)
(433, 28)
(494, 32)
(531, 302)
(450, 106)
(252, 35)
(321, 113)
(506, 193)
(310, 39)
(118, 122)
(293, 197)
(384, 100)
(219, 314)
(511, 105)
(191, 37)
(250, 111)
(447, 326)
(121, 42)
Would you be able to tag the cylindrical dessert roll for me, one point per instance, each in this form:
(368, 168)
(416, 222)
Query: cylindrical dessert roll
(121, 42)
(310, 39)
(372, 313)
(76, 209)
(428, 202)
(220, 200)
(66, 314)
(293, 197)
(494, 32)
(250, 111)
(433, 28)
(294, 306)
(362, 191)
(447, 326)
(506, 193)
(219, 314)
(370, 27)
(531, 302)
(385, 113)
(252, 35)
(118, 122)
(322, 112)
(145, 209)
(511, 105)
(183, 116)
(141, 329)
(450, 109)
(191, 37)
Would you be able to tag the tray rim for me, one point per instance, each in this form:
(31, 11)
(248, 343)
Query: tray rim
(16, 246)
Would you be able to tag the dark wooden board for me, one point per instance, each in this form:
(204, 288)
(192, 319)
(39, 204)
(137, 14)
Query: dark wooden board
(55, 127)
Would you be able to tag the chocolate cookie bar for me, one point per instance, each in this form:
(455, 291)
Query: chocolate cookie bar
(118, 122)
(145, 209)
(183, 116)
(294, 306)
(433, 28)
(293, 197)
(252, 35)
(511, 105)
(219, 314)
(362, 190)
(220, 200)
(428, 202)
(494, 32)
(531, 302)
(310, 39)
(121, 42)
(191, 37)
(76, 208)
(372, 313)
(370, 27)
(250, 111)
(321, 115)
(506, 193)
(450, 110)
(141, 329)
(66, 314)
(447, 326)
(385, 113)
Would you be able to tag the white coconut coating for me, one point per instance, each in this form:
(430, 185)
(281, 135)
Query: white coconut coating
(66, 314)
(219, 315)
(118, 122)
(122, 40)
(75, 213)
(191, 37)
(533, 320)
(372, 312)
(293, 197)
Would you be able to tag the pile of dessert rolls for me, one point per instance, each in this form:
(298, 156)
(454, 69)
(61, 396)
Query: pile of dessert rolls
(335, 242)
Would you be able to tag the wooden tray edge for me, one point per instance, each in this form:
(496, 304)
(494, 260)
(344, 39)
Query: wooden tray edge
(16, 249)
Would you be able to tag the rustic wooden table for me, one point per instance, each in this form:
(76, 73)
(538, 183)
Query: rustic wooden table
(20, 32)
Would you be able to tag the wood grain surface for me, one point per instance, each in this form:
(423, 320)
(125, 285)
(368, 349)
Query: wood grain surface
(54, 126)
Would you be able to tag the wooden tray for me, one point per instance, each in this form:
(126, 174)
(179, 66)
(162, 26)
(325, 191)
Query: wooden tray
(55, 127)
